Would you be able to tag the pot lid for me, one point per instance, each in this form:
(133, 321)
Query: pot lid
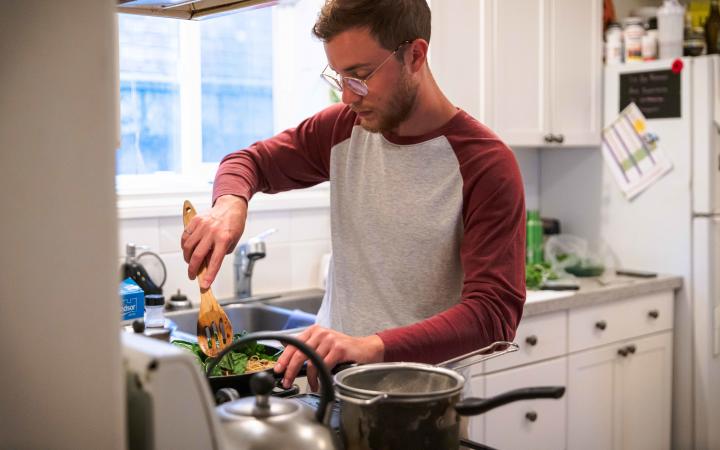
(400, 380)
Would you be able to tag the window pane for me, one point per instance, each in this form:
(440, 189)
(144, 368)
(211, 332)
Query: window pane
(149, 95)
(237, 77)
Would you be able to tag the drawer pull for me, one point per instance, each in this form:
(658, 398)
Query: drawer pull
(601, 325)
(531, 416)
(623, 352)
(531, 340)
(631, 348)
(654, 314)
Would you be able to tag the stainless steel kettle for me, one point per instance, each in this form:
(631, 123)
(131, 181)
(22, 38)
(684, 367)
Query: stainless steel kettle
(266, 422)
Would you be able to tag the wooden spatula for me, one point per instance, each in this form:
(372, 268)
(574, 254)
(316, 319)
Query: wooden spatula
(214, 330)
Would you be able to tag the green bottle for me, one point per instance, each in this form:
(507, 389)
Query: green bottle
(534, 238)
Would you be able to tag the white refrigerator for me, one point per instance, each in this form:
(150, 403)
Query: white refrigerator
(674, 226)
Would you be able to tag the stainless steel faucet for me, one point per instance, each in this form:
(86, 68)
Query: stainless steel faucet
(245, 256)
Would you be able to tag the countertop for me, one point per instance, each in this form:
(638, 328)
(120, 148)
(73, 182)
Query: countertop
(593, 292)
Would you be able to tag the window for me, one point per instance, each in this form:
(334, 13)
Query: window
(192, 92)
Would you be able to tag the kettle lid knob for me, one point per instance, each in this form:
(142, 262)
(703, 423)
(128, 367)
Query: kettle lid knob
(262, 383)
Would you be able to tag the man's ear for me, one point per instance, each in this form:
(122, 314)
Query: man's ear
(416, 54)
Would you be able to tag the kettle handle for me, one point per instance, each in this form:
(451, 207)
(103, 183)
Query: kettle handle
(326, 383)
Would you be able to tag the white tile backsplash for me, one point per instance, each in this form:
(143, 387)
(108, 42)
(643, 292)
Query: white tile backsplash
(274, 272)
(293, 252)
(258, 222)
(141, 232)
(306, 259)
(309, 225)
(170, 231)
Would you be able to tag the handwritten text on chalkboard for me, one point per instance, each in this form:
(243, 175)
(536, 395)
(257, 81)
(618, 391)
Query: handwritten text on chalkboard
(656, 93)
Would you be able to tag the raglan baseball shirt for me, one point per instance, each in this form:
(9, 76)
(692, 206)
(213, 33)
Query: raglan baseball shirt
(428, 232)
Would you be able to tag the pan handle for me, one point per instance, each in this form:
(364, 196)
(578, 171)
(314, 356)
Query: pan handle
(473, 406)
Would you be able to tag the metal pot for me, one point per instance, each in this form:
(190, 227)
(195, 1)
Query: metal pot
(411, 405)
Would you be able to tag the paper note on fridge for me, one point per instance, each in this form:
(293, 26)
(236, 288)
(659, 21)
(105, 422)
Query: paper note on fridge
(633, 153)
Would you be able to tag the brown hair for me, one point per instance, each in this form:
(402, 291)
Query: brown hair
(391, 22)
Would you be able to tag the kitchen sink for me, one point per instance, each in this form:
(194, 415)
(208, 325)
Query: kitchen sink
(307, 300)
(245, 317)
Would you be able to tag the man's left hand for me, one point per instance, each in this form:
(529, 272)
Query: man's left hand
(333, 347)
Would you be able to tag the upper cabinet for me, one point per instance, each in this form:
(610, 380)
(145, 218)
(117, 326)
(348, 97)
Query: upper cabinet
(529, 69)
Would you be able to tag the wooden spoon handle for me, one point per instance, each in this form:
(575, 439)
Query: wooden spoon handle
(188, 213)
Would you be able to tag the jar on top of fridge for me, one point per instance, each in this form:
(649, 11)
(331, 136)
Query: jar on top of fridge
(633, 32)
(613, 44)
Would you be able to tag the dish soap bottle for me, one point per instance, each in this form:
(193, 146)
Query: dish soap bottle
(131, 268)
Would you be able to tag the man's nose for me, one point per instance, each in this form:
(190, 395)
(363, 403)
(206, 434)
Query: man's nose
(349, 97)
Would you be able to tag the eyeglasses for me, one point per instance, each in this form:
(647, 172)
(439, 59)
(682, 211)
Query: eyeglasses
(357, 85)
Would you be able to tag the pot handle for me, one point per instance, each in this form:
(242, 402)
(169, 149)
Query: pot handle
(473, 406)
(498, 348)
(361, 402)
(326, 383)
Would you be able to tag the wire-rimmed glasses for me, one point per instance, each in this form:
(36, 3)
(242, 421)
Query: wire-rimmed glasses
(357, 85)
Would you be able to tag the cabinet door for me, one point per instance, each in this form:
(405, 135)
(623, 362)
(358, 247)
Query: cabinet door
(476, 427)
(618, 401)
(575, 70)
(645, 391)
(515, 63)
(536, 424)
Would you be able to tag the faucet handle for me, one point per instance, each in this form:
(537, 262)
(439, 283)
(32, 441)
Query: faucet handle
(263, 235)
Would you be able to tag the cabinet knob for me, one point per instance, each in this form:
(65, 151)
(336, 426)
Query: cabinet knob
(531, 340)
(654, 314)
(601, 325)
(531, 416)
(623, 352)
(559, 138)
(631, 348)
(549, 138)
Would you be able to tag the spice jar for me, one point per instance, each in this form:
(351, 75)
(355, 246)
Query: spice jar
(633, 33)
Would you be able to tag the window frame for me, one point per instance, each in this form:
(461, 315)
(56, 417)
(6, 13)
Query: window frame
(160, 193)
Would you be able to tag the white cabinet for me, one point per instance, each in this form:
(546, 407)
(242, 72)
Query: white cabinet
(536, 424)
(615, 360)
(543, 65)
(529, 69)
(619, 395)
(476, 426)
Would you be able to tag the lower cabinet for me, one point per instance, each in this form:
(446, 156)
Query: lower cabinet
(476, 427)
(619, 395)
(615, 360)
(536, 424)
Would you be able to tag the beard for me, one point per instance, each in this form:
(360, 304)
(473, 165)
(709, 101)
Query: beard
(398, 107)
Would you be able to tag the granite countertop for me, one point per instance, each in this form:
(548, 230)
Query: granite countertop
(594, 291)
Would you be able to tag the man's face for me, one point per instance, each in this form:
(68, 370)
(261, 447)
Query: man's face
(391, 90)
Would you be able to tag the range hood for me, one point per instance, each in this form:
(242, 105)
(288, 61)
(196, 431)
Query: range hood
(188, 9)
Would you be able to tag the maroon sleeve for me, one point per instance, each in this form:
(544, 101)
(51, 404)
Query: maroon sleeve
(296, 158)
(492, 254)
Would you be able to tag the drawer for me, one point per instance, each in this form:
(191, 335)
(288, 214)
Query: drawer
(636, 316)
(527, 424)
(539, 337)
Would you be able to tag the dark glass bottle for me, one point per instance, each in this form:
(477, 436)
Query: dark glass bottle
(712, 26)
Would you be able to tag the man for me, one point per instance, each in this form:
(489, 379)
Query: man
(427, 208)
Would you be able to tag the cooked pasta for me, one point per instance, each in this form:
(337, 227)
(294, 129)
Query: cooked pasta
(256, 364)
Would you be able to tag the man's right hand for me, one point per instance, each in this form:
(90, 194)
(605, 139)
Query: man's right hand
(212, 235)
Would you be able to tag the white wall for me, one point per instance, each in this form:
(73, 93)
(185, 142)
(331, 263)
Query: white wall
(61, 383)
(293, 252)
